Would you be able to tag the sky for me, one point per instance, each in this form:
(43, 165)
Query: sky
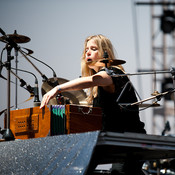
(58, 28)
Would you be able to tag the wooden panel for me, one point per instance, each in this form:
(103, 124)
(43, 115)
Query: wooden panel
(83, 119)
(30, 122)
(55, 120)
(27, 123)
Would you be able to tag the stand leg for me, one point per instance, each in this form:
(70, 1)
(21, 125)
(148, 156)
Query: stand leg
(7, 134)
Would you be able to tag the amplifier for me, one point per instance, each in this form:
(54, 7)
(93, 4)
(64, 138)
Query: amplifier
(54, 120)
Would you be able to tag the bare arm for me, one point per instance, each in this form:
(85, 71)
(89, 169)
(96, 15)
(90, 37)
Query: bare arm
(99, 79)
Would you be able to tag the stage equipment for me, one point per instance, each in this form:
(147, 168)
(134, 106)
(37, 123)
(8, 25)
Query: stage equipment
(72, 97)
(111, 62)
(80, 153)
(11, 42)
(28, 50)
(117, 147)
(29, 54)
(54, 120)
(146, 105)
(7, 133)
(64, 154)
(167, 85)
(105, 62)
(167, 21)
(166, 128)
(156, 95)
(16, 38)
(34, 91)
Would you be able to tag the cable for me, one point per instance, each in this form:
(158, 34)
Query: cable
(54, 74)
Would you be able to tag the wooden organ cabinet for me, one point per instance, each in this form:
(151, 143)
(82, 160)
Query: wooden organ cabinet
(54, 120)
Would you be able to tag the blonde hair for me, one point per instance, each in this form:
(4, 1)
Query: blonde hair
(103, 44)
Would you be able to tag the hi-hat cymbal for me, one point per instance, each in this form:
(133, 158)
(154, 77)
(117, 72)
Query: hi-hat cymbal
(75, 97)
(17, 38)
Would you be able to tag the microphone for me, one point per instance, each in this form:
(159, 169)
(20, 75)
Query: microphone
(36, 94)
(33, 90)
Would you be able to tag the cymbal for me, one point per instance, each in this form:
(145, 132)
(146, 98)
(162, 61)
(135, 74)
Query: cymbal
(75, 97)
(101, 62)
(17, 38)
(113, 62)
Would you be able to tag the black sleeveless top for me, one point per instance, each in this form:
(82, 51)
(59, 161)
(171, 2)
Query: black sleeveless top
(117, 118)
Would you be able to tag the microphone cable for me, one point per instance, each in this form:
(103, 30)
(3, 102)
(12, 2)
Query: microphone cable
(54, 74)
(33, 90)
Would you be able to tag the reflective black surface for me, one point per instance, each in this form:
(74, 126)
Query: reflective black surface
(64, 154)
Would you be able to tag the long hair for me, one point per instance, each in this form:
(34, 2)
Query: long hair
(103, 44)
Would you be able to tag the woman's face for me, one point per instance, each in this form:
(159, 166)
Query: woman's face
(92, 53)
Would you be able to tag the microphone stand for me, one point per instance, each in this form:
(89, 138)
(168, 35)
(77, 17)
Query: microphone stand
(7, 133)
(16, 82)
(54, 74)
(42, 75)
(159, 96)
(142, 73)
(33, 90)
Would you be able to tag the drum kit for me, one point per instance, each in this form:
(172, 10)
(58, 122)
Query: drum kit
(75, 97)
(72, 97)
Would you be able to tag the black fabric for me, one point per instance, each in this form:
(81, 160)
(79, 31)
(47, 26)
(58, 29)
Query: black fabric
(115, 117)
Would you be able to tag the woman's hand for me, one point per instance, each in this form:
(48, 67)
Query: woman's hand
(49, 95)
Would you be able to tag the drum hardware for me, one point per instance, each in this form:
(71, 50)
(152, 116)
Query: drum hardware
(29, 51)
(141, 105)
(8, 39)
(72, 97)
(141, 73)
(158, 97)
(144, 105)
(11, 42)
(156, 94)
(29, 54)
(105, 62)
(16, 38)
(108, 62)
(42, 75)
(7, 133)
(101, 62)
(113, 62)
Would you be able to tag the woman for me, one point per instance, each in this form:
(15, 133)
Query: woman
(104, 89)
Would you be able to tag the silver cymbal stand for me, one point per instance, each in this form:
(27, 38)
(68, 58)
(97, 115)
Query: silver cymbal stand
(16, 80)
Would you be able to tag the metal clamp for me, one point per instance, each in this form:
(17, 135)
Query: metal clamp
(86, 113)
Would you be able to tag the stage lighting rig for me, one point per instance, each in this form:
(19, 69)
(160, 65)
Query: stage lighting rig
(167, 21)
